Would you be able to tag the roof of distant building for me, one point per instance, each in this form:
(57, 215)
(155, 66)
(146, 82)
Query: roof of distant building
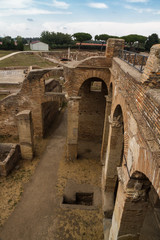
(38, 42)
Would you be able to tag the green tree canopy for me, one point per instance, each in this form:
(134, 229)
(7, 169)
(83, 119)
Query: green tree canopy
(134, 38)
(20, 45)
(104, 37)
(55, 38)
(81, 37)
(151, 40)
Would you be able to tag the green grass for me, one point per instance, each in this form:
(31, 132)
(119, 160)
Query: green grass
(4, 53)
(23, 59)
(2, 96)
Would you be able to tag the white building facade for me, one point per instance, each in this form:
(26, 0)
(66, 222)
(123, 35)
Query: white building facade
(39, 46)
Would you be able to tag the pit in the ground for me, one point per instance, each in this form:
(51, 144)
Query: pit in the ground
(81, 199)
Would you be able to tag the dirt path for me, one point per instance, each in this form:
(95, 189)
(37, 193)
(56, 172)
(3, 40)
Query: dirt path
(39, 215)
(33, 214)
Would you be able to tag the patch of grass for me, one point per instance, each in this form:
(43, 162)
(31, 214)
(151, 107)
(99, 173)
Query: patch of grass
(2, 96)
(4, 53)
(12, 186)
(23, 59)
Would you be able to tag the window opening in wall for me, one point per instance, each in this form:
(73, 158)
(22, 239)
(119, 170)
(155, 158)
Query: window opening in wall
(96, 86)
(81, 199)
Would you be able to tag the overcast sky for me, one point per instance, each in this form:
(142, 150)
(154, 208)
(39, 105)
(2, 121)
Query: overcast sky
(28, 18)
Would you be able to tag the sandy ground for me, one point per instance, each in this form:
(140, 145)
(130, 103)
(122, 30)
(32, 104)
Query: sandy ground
(38, 214)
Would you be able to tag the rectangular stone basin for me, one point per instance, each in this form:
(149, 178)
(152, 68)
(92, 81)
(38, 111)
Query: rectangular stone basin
(9, 156)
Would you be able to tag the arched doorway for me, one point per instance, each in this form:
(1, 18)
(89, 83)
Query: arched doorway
(91, 117)
(136, 211)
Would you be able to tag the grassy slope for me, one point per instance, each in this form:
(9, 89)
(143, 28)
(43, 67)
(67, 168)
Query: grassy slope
(23, 59)
(4, 53)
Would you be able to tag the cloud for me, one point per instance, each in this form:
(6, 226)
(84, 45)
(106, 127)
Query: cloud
(30, 11)
(94, 28)
(59, 4)
(137, 1)
(14, 4)
(30, 20)
(97, 5)
(142, 10)
(113, 28)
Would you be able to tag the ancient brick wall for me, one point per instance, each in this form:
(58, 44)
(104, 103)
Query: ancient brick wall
(75, 75)
(77, 55)
(30, 97)
(136, 93)
(91, 111)
(141, 122)
(49, 112)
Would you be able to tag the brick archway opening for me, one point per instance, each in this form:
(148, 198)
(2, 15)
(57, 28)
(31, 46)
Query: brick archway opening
(138, 209)
(91, 117)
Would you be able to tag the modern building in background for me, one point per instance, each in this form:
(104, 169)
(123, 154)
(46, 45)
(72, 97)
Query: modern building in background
(39, 46)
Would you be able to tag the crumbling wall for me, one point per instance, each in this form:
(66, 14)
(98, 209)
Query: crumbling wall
(30, 97)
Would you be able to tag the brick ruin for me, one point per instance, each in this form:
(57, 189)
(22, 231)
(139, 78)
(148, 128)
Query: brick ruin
(111, 104)
(125, 117)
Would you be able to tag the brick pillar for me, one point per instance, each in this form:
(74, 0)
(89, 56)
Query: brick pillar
(72, 129)
(25, 130)
(130, 210)
(151, 73)
(109, 173)
(106, 129)
(113, 47)
(114, 153)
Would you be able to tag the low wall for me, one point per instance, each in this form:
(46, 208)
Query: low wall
(9, 156)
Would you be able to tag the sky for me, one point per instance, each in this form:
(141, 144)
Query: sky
(28, 18)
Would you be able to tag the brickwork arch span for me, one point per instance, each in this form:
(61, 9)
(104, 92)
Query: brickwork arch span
(104, 88)
(76, 77)
(137, 209)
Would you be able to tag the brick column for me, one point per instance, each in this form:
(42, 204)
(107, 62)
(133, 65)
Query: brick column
(72, 128)
(109, 173)
(113, 47)
(25, 130)
(114, 153)
(106, 129)
(130, 210)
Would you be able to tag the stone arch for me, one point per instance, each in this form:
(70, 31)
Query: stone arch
(135, 211)
(76, 77)
(91, 115)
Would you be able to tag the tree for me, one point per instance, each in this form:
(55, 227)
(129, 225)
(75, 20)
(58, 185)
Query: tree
(47, 37)
(134, 38)
(20, 45)
(81, 37)
(104, 37)
(7, 43)
(151, 40)
(55, 38)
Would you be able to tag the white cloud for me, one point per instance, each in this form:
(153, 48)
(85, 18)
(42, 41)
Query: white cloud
(112, 28)
(137, 1)
(59, 4)
(30, 11)
(14, 3)
(143, 10)
(140, 10)
(34, 29)
(97, 5)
